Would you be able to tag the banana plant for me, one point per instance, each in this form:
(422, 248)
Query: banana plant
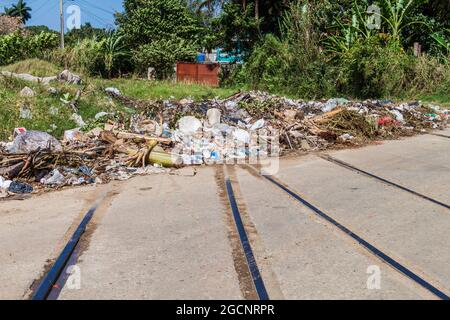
(442, 41)
(348, 33)
(342, 41)
(114, 49)
(396, 16)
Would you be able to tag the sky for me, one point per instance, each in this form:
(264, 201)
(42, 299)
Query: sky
(100, 13)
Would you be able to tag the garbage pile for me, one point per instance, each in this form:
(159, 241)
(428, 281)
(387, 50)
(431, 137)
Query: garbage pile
(36, 159)
(170, 134)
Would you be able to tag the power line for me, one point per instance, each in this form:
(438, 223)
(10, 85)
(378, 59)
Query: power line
(53, 4)
(97, 7)
(86, 7)
(97, 18)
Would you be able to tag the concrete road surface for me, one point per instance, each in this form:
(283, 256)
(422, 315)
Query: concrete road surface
(174, 237)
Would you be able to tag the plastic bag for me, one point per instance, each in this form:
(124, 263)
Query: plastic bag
(189, 125)
(20, 187)
(33, 140)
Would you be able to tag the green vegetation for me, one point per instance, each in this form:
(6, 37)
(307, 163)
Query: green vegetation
(36, 67)
(52, 115)
(19, 10)
(163, 90)
(303, 49)
(159, 33)
(355, 53)
(17, 46)
(163, 55)
(43, 119)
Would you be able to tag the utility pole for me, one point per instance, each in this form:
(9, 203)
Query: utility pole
(61, 14)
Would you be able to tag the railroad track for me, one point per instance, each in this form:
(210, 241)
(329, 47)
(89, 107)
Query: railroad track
(372, 249)
(383, 180)
(440, 135)
(257, 281)
(54, 280)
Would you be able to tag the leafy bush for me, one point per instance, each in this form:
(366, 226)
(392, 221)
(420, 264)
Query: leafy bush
(145, 21)
(291, 65)
(12, 47)
(93, 56)
(85, 57)
(163, 54)
(160, 32)
(267, 66)
(443, 41)
(15, 46)
(236, 29)
(430, 76)
(371, 69)
(86, 31)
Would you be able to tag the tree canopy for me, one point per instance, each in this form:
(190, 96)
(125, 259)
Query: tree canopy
(145, 21)
(20, 9)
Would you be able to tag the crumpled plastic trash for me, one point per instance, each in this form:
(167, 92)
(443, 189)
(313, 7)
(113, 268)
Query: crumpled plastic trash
(166, 132)
(386, 121)
(346, 137)
(214, 115)
(398, 116)
(221, 129)
(20, 187)
(147, 126)
(54, 178)
(231, 105)
(25, 112)
(113, 91)
(78, 120)
(4, 183)
(258, 124)
(433, 116)
(85, 170)
(241, 136)
(74, 135)
(18, 131)
(333, 104)
(101, 115)
(189, 125)
(33, 140)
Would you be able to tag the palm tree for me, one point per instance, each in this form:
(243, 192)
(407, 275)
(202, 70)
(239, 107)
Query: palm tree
(19, 10)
